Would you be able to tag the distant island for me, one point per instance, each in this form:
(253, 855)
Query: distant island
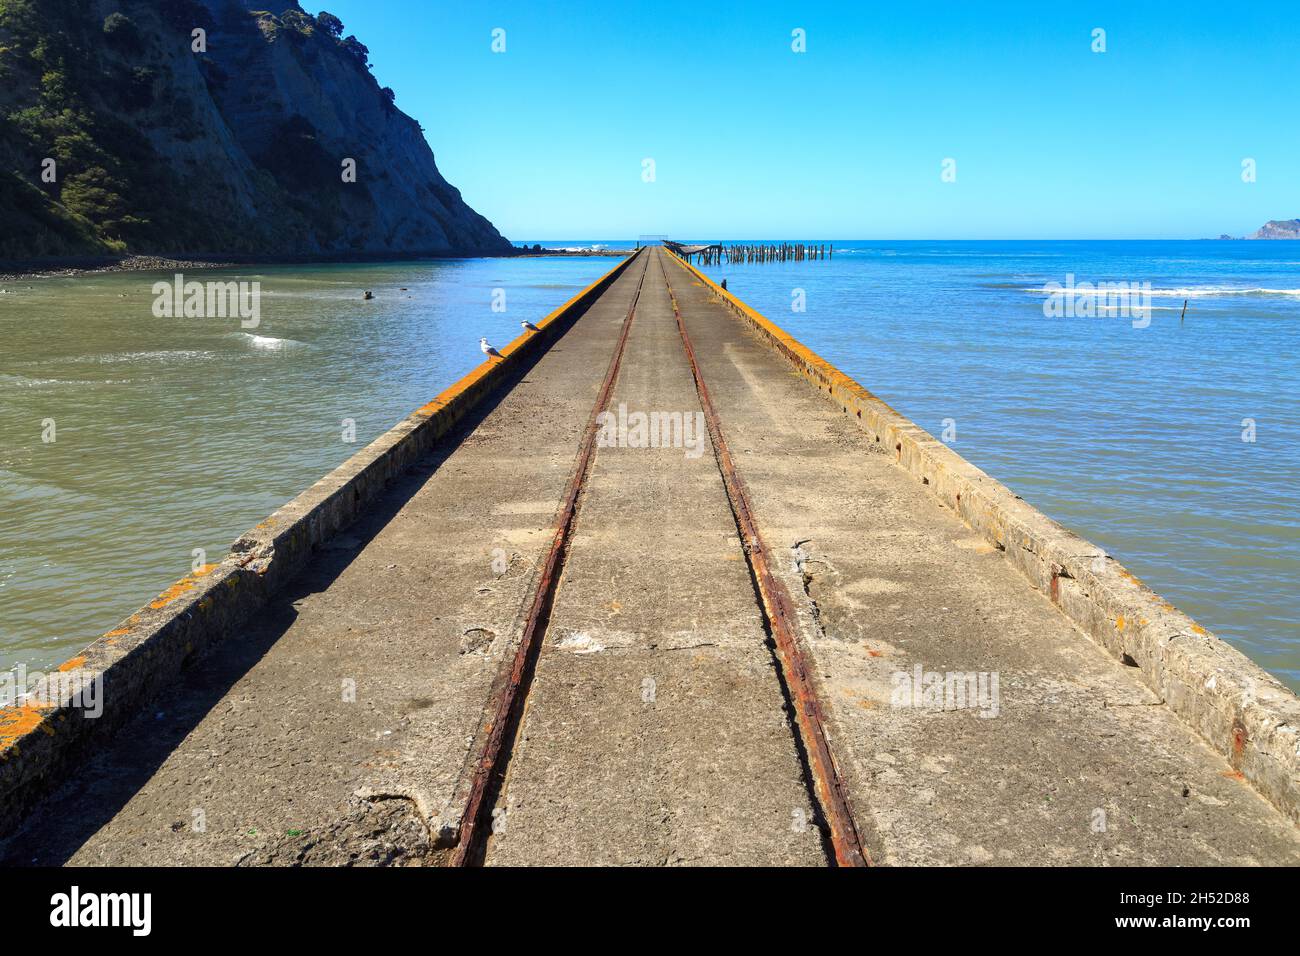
(1273, 229)
(185, 128)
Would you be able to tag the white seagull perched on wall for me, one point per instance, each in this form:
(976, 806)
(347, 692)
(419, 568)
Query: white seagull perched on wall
(487, 349)
(528, 326)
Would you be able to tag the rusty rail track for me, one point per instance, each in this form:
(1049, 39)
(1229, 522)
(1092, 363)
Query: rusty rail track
(779, 611)
(507, 703)
(510, 692)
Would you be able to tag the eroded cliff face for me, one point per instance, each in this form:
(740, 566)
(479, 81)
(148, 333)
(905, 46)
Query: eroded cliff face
(1278, 229)
(245, 146)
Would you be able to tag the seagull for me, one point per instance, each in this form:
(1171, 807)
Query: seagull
(487, 349)
(529, 327)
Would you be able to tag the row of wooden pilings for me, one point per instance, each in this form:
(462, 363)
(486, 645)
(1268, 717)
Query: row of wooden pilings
(763, 252)
(780, 252)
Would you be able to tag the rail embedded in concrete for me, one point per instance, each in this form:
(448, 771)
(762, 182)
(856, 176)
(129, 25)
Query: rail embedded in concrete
(506, 708)
(136, 660)
(1242, 711)
(778, 609)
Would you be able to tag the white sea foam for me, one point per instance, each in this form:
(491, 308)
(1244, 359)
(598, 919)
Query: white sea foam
(154, 355)
(1206, 291)
(22, 381)
(930, 254)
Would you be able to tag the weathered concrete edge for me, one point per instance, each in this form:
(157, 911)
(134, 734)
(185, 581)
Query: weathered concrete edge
(141, 656)
(1242, 711)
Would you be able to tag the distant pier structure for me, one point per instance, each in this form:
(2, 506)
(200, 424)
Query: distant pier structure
(715, 253)
(704, 254)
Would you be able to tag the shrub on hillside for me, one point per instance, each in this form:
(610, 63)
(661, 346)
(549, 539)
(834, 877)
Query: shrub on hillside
(122, 34)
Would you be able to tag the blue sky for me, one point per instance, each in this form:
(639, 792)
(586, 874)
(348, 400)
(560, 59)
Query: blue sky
(847, 140)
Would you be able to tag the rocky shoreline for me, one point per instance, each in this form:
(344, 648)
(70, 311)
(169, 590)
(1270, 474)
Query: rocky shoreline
(15, 271)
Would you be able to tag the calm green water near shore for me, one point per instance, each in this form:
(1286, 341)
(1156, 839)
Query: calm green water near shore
(176, 434)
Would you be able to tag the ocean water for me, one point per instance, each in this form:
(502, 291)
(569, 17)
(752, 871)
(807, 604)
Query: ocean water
(1173, 443)
(176, 434)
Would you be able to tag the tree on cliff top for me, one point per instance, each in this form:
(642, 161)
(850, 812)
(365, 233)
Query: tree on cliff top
(330, 24)
(357, 50)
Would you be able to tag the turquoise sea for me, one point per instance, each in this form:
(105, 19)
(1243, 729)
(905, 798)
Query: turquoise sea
(1129, 432)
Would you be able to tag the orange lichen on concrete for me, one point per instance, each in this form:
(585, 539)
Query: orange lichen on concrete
(17, 722)
(1197, 629)
(73, 663)
(125, 629)
(185, 584)
(1119, 622)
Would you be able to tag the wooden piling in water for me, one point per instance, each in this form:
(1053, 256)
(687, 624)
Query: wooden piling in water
(760, 253)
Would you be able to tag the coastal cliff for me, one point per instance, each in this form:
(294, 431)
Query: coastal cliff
(1278, 229)
(123, 130)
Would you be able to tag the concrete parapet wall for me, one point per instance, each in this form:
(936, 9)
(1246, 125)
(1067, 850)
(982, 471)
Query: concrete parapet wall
(41, 739)
(1243, 712)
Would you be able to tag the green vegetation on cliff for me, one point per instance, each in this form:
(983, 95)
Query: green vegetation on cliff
(98, 200)
(116, 135)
